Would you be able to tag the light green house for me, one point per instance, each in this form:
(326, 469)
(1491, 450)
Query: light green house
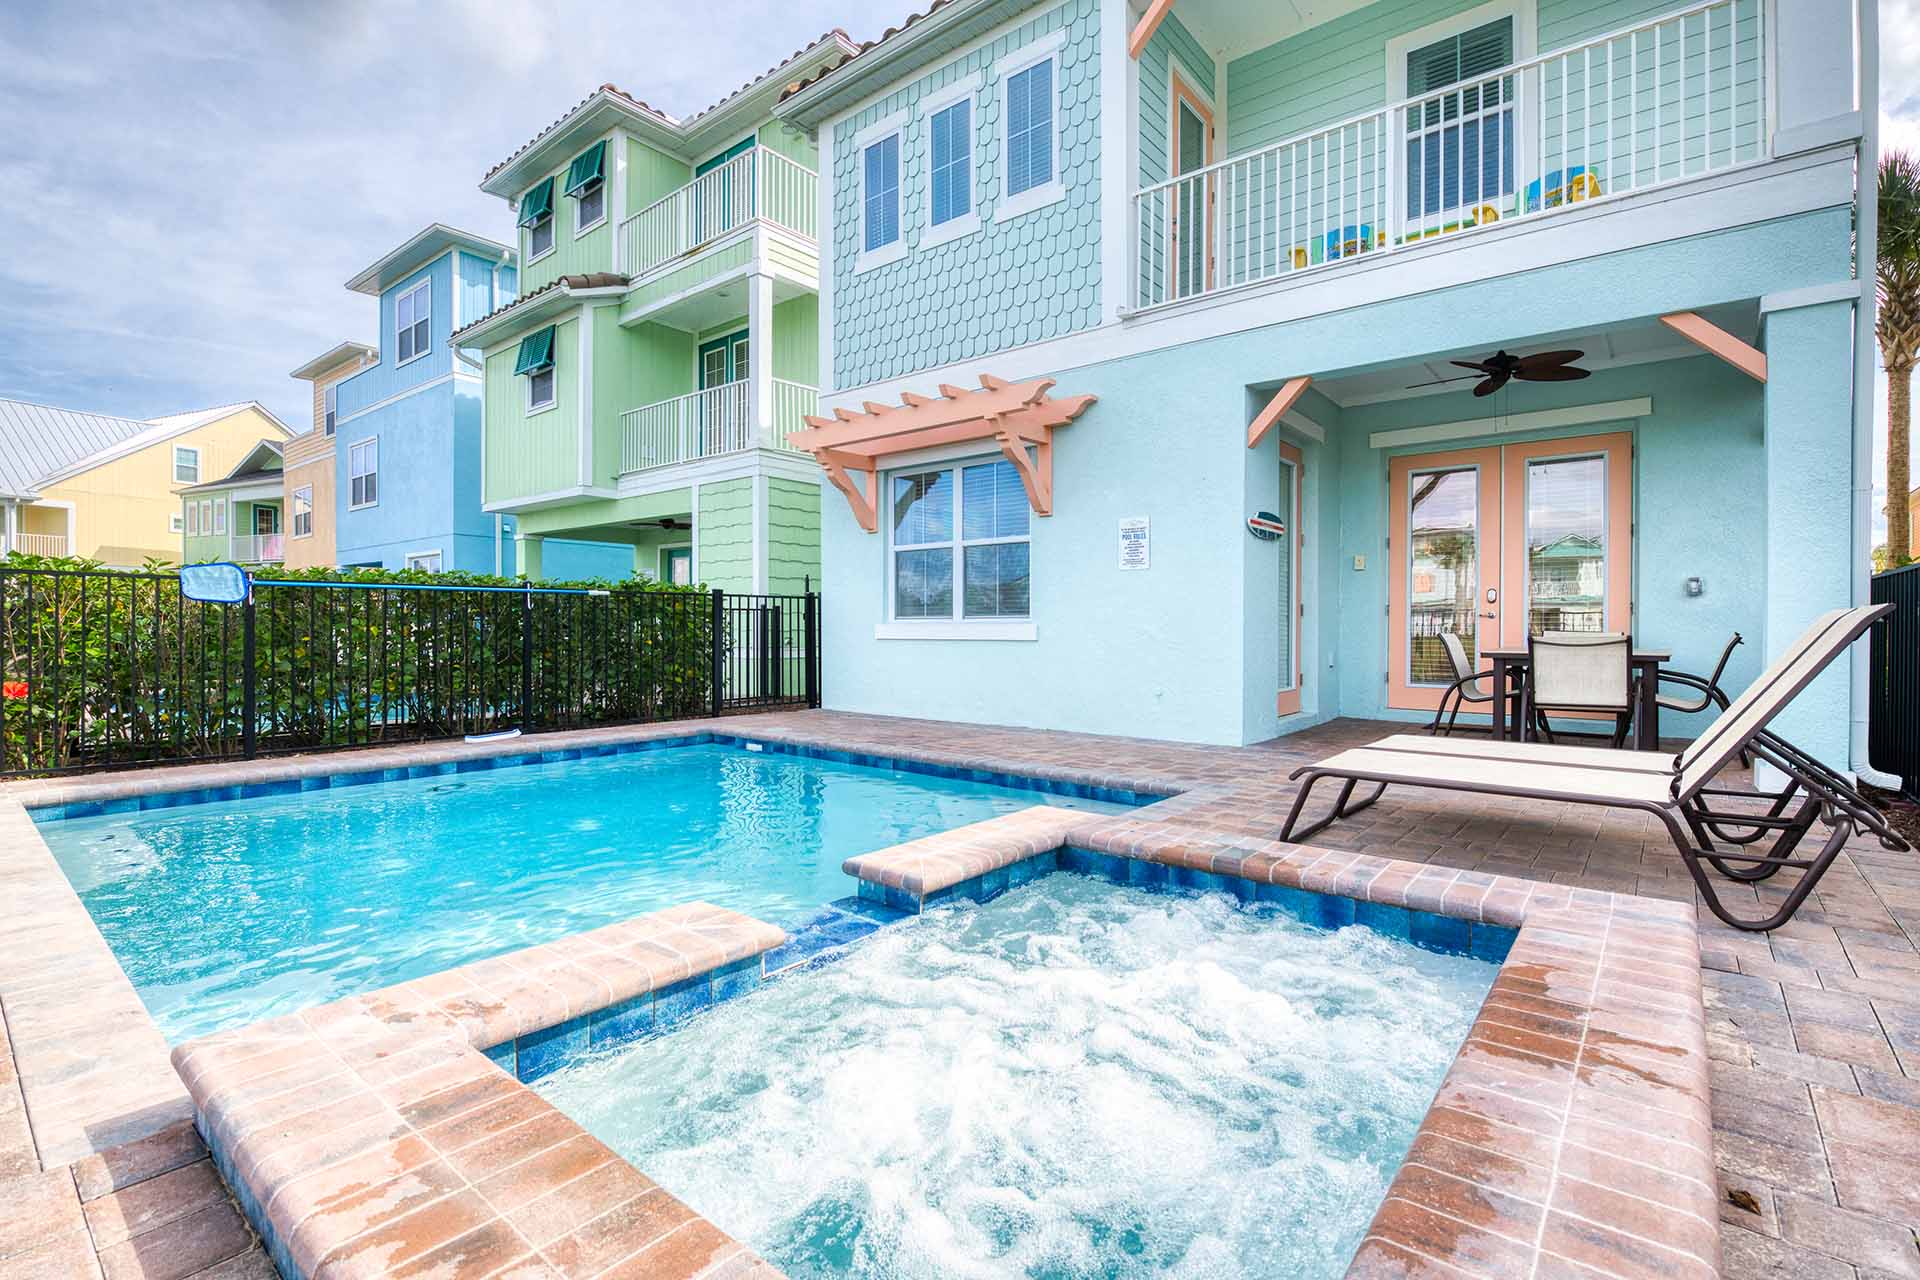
(666, 337)
(238, 517)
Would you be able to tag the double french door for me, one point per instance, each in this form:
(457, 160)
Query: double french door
(1493, 544)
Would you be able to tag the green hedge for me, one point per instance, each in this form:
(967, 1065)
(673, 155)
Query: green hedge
(105, 667)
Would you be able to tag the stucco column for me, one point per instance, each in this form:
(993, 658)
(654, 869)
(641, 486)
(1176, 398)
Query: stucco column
(760, 356)
(526, 554)
(1808, 504)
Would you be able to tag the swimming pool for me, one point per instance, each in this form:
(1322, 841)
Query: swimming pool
(227, 911)
(1076, 1079)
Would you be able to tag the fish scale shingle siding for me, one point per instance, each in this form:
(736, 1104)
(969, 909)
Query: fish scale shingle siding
(1034, 277)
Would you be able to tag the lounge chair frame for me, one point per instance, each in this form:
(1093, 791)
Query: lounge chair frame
(1724, 839)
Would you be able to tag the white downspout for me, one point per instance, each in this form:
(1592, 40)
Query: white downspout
(1867, 222)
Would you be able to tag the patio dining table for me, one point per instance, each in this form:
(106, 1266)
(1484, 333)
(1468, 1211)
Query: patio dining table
(1646, 712)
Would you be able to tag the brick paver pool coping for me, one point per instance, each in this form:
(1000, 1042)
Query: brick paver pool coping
(1571, 1136)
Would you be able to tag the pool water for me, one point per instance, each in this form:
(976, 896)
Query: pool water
(1075, 1080)
(230, 911)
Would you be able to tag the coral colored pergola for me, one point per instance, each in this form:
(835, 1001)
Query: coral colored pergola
(1016, 415)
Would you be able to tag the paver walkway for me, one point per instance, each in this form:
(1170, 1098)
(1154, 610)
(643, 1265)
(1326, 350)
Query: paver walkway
(1814, 1029)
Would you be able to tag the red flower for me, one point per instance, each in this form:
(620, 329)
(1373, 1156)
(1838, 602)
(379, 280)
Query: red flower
(13, 690)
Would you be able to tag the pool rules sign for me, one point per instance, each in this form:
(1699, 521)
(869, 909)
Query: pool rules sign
(1133, 542)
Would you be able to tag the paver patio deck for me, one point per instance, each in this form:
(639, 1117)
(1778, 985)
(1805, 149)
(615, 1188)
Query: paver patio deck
(1813, 1031)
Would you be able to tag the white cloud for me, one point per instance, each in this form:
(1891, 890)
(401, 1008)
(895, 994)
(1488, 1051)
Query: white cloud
(192, 184)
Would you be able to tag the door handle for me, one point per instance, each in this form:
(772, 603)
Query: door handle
(1489, 615)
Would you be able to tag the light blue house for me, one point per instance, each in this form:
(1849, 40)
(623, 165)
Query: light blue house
(1263, 243)
(407, 427)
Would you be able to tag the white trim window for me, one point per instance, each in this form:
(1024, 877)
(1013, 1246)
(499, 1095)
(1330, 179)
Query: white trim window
(589, 211)
(303, 511)
(412, 323)
(960, 548)
(330, 407)
(186, 464)
(193, 519)
(1030, 128)
(219, 515)
(947, 124)
(206, 516)
(363, 473)
(424, 561)
(176, 523)
(540, 239)
(541, 390)
(878, 152)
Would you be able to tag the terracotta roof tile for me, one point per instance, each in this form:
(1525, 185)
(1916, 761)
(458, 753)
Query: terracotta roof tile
(881, 39)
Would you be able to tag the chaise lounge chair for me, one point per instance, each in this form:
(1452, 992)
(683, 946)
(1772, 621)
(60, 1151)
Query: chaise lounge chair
(1674, 788)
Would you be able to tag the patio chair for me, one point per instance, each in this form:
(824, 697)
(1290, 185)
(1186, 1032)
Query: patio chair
(1705, 690)
(1676, 789)
(1580, 672)
(1466, 687)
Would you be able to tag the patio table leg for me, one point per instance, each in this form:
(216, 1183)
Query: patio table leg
(1500, 696)
(1646, 728)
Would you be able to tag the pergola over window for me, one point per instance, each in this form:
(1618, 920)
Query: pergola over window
(1015, 415)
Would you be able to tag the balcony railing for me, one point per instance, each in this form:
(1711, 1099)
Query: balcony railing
(757, 183)
(709, 423)
(37, 544)
(259, 548)
(1668, 99)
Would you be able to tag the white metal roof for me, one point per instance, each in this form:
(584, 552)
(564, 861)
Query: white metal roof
(40, 443)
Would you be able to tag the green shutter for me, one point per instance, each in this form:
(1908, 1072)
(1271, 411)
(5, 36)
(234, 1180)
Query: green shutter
(536, 352)
(537, 204)
(589, 168)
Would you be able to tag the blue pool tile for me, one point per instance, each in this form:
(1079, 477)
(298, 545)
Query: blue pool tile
(1143, 874)
(738, 978)
(1109, 867)
(902, 901)
(1491, 942)
(542, 1053)
(872, 908)
(994, 883)
(502, 1055)
(1298, 903)
(674, 1004)
(1393, 922)
(1336, 912)
(622, 1023)
(1029, 869)
(1080, 860)
(1441, 933)
(873, 892)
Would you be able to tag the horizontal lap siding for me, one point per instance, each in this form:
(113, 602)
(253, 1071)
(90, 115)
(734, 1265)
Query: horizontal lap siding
(694, 274)
(724, 526)
(1011, 283)
(793, 536)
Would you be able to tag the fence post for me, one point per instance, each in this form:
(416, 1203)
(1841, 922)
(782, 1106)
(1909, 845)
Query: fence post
(526, 658)
(249, 686)
(812, 630)
(719, 647)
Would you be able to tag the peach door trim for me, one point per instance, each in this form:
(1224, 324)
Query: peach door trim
(1400, 692)
(1617, 448)
(1288, 702)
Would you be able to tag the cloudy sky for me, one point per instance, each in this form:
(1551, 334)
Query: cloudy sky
(190, 184)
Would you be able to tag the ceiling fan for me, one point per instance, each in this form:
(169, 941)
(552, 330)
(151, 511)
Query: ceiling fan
(1496, 369)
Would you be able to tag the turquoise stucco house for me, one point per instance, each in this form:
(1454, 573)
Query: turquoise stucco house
(1250, 250)
(407, 426)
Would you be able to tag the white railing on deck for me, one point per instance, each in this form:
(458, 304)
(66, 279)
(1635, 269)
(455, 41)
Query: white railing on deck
(258, 548)
(40, 544)
(709, 423)
(1671, 98)
(758, 183)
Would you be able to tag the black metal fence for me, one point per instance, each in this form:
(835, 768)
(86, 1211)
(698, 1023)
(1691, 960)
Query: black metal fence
(1893, 716)
(101, 669)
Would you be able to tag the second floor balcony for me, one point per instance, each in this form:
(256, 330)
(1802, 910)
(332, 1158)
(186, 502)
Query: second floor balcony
(759, 183)
(712, 423)
(1487, 142)
(259, 548)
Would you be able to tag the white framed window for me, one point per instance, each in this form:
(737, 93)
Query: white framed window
(589, 211)
(206, 515)
(176, 523)
(540, 390)
(947, 125)
(363, 473)
(412, 322)
(331, 404)
(1030, 127)
(219, 515)
(424, 561)
(959, 548)
(193, 519)
(186, 464)
(303, 511)
(540, 239)
(878, 153)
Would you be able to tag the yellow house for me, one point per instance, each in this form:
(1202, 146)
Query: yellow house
(308, 486)
(107, 488)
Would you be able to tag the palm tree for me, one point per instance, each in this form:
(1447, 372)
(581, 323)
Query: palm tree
(1898, 284)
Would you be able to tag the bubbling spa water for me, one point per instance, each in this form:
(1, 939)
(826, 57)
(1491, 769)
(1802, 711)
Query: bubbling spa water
(1074, 1080)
